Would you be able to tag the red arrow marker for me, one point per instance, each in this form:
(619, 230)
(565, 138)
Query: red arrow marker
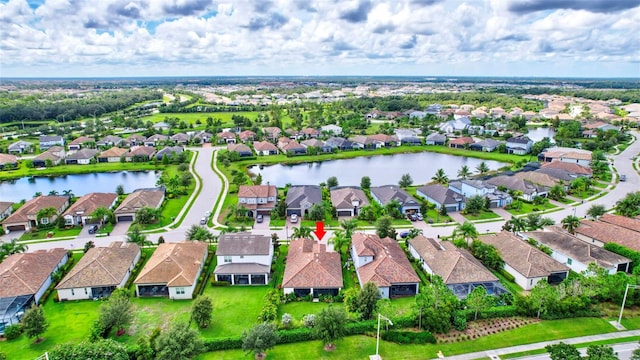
(319, 230)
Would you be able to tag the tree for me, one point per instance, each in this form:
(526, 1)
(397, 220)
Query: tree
(601, 352)
(393, 209)
(53, 193)
(542, 295)
(596, 210)
(10, 248)
(332, 182)
(384, 227)
(440, 177)
(46, 213)
(488, 255)
(474, 205)
(349, 226)
(557, 192)
(136, 236)
(258, 179)
(101, 350)
(201, 311)
(178, 343)
(629, 206)
(405, 180)
(482, 168)
(478, 300)
(365, 183)
(368, 300)
(34, 323)
(435, 303)
(88, 245)
(464, 172)
(301, 232)
(116, 312)
(198, 233)
(571, 223)
(102, 214)
(466, 231)
(515, 224)
(147, 215)
(317, 212)
(562, 351)
(330, 326)
(120, 190)
(259, 339)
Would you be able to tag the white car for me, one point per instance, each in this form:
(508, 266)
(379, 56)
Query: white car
(294, 218)
(207, 214)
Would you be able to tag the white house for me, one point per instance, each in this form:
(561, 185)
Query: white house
(244, 259)
(81, 210)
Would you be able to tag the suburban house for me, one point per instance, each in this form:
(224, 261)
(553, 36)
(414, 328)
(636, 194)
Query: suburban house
(312, 270)
(109, 141)
(527, 264)
(456, 125)
(265, 148)
(20, 147)
(242, 149)
(203, 137)
(348, 200)
(339, 143)
(81, 157)
(170, 151)
(55, 154)
(227, 137)
(440, 196)
(244, 259)
(386, 140)
(80, 211)
(272, 133)
(114, 154)
(294, 134)
(519, 145)
(538, 178)
(99, 272)
(622, 221)
(436, 139)
(180, 139)
(578, 254)
(486, 145)
(571, 168)
(47, 141)
(300, 198)
(26, 217)
(461, 142)
(571, 155)
(365, 142)
(134, 140)
(24, 277)
(258, 199)
(315, 143)
(385, 194)
(529, 190)
(459, 270)
(8, 160)
(247, 136)
(291, 147)
(331, 129)
(600, 233)
(310, 133)
(383, 262)
(161, 126)
(155, 140)
(5, 209)
(173, 270)
(140, 198)
(140, 153)
(468, 188)
(78, 143)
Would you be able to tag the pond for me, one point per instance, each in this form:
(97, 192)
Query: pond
(79, 184)
(382, 169)
(538, 133)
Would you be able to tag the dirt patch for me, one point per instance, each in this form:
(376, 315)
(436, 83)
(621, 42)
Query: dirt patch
(480, 328)
(329, 347)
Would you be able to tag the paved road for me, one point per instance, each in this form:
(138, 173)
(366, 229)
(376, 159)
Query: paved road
(624, 350)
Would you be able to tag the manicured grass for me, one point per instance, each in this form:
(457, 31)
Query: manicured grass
(584, 194)
(278, 270)
(527, 208)
(483, 215)
(436, 216)
(190, 118)
(298, 309)
(78, 169)
(509, 285)
(42, 234)
(235, 309)
(565, 200)
(106, 228)
(600, 184)
(580, 345)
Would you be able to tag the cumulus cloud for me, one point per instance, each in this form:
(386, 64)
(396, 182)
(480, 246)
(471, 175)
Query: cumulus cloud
(359, 13)
(527, 6)
(186, 8)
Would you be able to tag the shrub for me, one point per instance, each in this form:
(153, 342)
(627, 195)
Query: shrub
(220, 283)
(286, 320)
(13, 331)
(290, 297)
(361, 327)
(309, 320)
(460, 321)
(223, 343)
(507, 276)
(408, 337)
(294, 335)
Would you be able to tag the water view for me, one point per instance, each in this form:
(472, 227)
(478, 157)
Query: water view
(538, 133)
(80, 184)
(382, 169)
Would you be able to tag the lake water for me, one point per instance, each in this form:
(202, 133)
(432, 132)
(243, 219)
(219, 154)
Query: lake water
(382, 169)
(539, 133)
(80, 184)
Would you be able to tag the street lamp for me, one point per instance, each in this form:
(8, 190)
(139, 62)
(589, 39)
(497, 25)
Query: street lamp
(624, 300)
(377, 356)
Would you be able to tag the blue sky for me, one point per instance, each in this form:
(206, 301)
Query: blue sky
(559, 38)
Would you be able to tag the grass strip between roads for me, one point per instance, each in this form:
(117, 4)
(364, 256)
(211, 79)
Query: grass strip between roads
(579, 346)
(194, 197)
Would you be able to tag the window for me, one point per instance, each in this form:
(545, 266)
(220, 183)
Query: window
(180, 291)
(227, 259)
(241, 256)
(44, 221)
(72, 292)
(569, 261)
(85, 291)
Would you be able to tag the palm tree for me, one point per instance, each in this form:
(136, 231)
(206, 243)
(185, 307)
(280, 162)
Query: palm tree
(339, 240)
(10, 248)
(349, 225)
(517, 224)
(198, 233)
(53, 192)
(571, 223)
(464, 172)
(557, 192)
(46, 213)
(482, 168)
(466, 231)
(301, 232)
(102, 214)
(68, 193)
(440, 177)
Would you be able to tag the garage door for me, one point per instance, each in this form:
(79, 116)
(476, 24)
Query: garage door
(344, 213)
(16, 228)
(293, 211)
(124, 218)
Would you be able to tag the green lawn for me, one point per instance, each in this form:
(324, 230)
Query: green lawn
(484, 215)
(298, 309)
(42, 234)
(436, 216)
(79, 169)
(584, 194)
(190, 118)
(235, 309)
(527, 208)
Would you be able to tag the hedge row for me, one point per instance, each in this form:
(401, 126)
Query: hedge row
(506, 275)
(408, 337)
(626, 252)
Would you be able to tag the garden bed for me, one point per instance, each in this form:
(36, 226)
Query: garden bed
(480, 328)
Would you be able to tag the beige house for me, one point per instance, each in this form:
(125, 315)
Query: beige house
(26, 217)
(141, 198)
(113, 155)
(81, 210)
(312, 270)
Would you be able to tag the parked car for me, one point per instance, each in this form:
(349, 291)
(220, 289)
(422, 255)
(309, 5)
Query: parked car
(412, 217)
(623, 177)
(420, 217)
(404, 234)
(93, 229)
(203, 221)
(259, 218)
(294, 218)
(207, 214)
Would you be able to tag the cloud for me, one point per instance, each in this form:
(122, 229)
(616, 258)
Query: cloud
(425, 2)
(342, 46)
(603, 6)
(129, 10)
(384, 28)
(273, 21)
(359, 14)
(262, 6)
(186, 8)
(305, 5)
(410, 44)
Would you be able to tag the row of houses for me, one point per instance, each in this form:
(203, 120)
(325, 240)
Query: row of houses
(80, 212)
(57, 155)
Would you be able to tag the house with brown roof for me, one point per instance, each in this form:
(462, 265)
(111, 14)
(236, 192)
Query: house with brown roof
(382, 262)
(537, 178)
(80, 212)
(141, 198)
(99, 272)
(459, 270)
(8, 161)
(571, 155)
(155, 140)
(242, 149)
(109, 140)
(348, 200)
(140, 153)
(461, 142)
(600, 233)
(172, 271)
(54, 154)
(244, 259)
(578, 254)
(247, 135)
(386, 140)
(291, 147)
(112, 155)
(310, 133)
(529, 190)
(26, 217)
(258, 199)
(24, 278)
(79, 142)
(180, 139)
(312, 270)
(134, 140)
(272, 133)
(527, 264)
(265, 148)
(226, 137)
(623, 221)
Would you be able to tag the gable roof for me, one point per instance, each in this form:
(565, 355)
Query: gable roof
(88, 203)
(140, 198)
(608, 232)
(243, 244)
(31, 207)
(25, 273)
(453, 265)
(257, 191)
(81, 140)
(82, 154)
(392, 192)
(113, 152)
(102, 266)
(299, 195)
(176, 264)
(309, 265)
(389, 265)
(441, 194)
(343, 198)
(20, 144)
(522, 257)
(623, 221)
(264, 146)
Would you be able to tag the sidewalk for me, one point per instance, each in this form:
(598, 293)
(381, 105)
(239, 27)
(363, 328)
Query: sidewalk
(541, 345)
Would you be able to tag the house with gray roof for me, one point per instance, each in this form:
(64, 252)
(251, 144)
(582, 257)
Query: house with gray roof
(339, 143)
(318, 144)
(385, 194)
(6, 208)
(300, 198)
(331, 129)
(486, 145)
(20, 147)
(459, 124)
(469, 187)
(519, 145)
(180, 138)
(436, 139)
(170, 151)
(440, 196)
(244, 259)
(81, 157)
(47, 141)
(109, 141)
(529, 190)
(155, 139)
(348, 200)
